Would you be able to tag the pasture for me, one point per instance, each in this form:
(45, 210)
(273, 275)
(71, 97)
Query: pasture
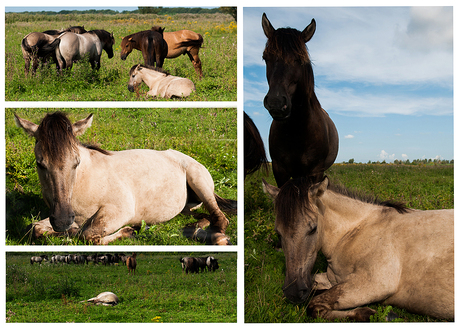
(110, 83)
(207, 135)
(419, 186)
(158, 292)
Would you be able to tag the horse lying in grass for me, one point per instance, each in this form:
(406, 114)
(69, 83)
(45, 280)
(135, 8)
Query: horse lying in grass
(376, 252)
(159, 82)
(104, 298)
(96, 193)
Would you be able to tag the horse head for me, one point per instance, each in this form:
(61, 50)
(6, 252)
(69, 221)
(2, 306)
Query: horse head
(134, 77)
(286, 59)
(108, 45)
(127, 45)
(57, 158)
(297, 210)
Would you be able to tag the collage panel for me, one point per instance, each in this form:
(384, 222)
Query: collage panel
(121, 287)
(119, 176)
(120, 54)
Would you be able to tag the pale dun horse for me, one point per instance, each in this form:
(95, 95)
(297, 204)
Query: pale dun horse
(160, 82)
(376, 252)
(131, 264)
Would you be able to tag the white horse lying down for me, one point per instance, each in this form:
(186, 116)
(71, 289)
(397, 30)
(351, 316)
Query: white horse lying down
(159, 82)
(104, 298)
(96, 192)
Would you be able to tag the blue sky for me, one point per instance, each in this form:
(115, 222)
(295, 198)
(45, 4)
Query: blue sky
(384, 75)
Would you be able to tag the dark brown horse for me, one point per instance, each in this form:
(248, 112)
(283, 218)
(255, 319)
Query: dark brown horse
(303, 139)
(184, 42)
(254, 150)
(151, 43)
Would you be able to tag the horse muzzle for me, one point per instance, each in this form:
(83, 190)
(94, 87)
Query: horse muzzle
(123, 56)
(63, 221)
(278, 107)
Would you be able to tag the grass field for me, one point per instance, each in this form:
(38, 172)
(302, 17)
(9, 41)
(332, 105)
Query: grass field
(158, 292)
(420, 187)
(110, 83)
(207, 135)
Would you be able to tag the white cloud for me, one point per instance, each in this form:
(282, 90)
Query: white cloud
(383, 155)
(404, 157)
(349, 136)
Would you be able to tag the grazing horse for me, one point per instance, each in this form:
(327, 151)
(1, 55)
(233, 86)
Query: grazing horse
(376, 252)
(131, 264)
(159, 82)
(254, 149)
(94, 193)
(40, 46)
(150, 42)
(104, 298)
(76, 46)
(38, 259)
(189, 264)
(303, 140)
(184, 42)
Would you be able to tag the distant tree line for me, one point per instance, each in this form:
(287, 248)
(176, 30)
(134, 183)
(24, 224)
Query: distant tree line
(407, 162)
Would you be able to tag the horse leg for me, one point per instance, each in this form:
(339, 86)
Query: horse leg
(200, 180)
(102, 227)
(195, 59)
(35, 64)
(43, 227)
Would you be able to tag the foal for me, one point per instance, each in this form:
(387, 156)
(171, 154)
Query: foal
(131, 264)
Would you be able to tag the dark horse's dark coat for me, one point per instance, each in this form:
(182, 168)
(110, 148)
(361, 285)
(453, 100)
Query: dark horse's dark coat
(303, 139)
(254, 150)
(151, 43)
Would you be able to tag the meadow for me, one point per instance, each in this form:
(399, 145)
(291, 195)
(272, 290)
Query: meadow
(419, 186)
(158, 292)
(207, 135)
(218, 56)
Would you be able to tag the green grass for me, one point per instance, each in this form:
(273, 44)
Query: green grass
(421, 187)
(110, 83)
(207, 135)
(158, 292)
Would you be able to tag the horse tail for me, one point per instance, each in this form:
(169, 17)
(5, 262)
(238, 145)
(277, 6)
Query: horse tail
(191, 43)
(48, 48)
(26, 46)
(229, 206)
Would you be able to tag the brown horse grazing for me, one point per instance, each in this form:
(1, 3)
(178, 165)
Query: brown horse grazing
(76, 46)
(151, 43)
(184, 42)
(303, 140)
(131, 264)
(96, 193)
(254, 149)
(376, 252)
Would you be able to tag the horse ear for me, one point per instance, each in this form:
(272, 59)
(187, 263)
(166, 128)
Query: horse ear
(29, 127)
(320, 188)
(80, 127)
(307, 34)
(272, 191)
(267, 26)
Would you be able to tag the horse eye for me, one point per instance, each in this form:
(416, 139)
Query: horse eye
(40, 166)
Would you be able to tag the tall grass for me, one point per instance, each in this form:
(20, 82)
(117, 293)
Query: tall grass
(207, 135)
(218, 57)
(421, 187)
(158, 292)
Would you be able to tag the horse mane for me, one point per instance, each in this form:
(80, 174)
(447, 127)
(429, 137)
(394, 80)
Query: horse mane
(294, 196)
(101, 34)
(56, 137)
(158, 69)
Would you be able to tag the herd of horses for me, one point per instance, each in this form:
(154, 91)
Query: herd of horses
(105, 259)
(75, 43)
(199, 264)
(375, 251)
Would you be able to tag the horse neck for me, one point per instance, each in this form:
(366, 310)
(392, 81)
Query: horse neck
(150, 78)
(342, 215)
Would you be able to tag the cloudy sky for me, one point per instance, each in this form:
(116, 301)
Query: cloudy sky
(384, 75)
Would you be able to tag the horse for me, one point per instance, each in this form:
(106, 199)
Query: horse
(150, 42)
(104, 298)
(254, 150)
(76, 46)
(159, 82)
(376, 252)
(303, 140)
(38, 259)
(184, 42)
(40, 46)
(95, 193)
(131, 264)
